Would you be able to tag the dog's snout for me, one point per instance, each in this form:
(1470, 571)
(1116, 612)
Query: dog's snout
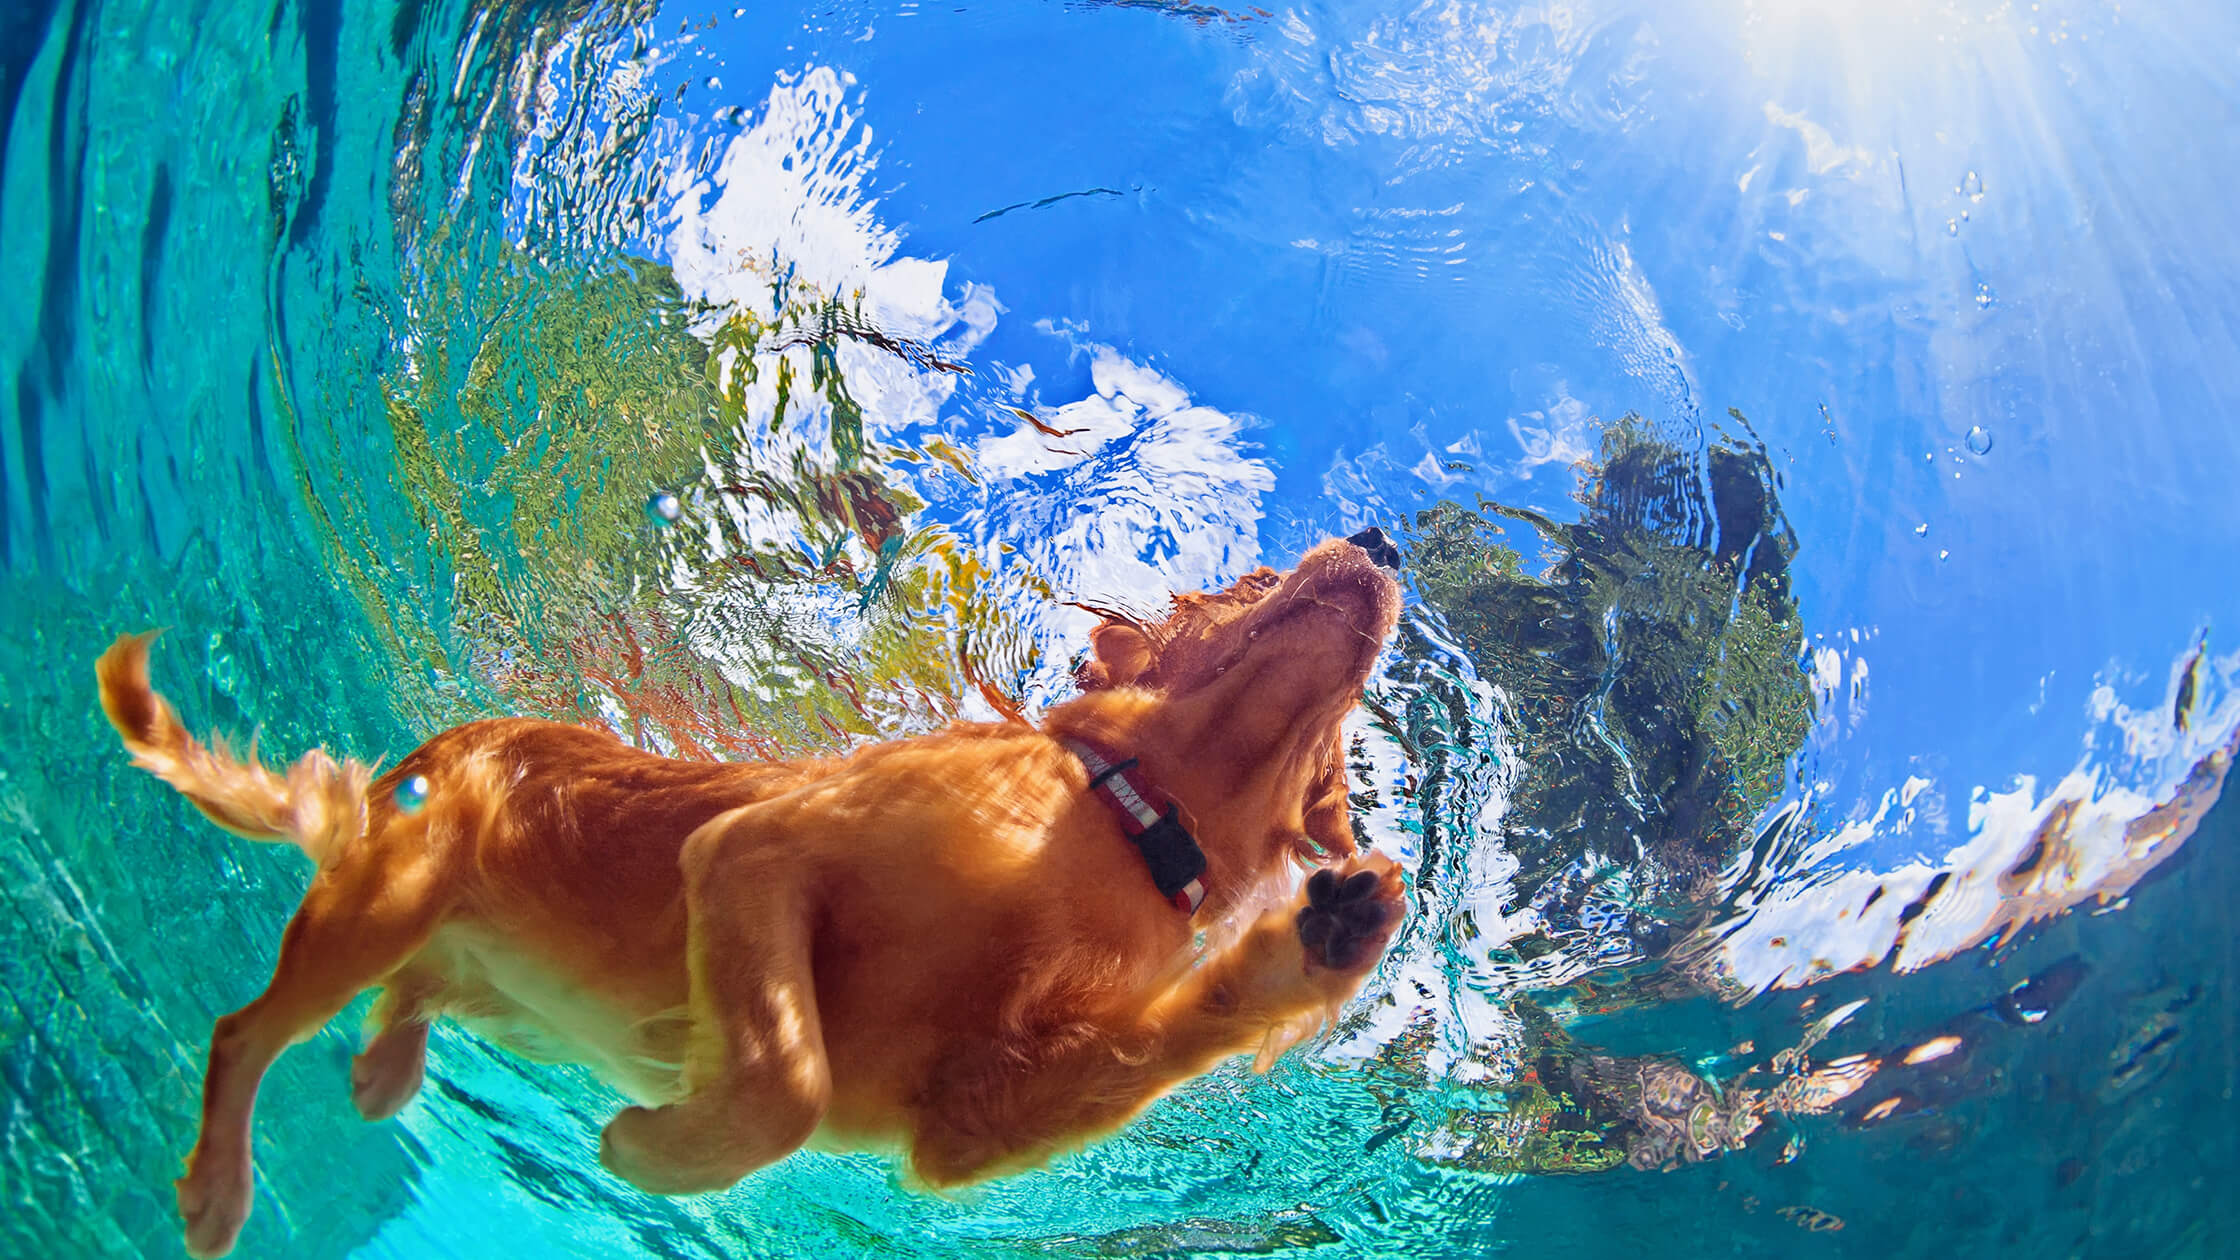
(1380, 548)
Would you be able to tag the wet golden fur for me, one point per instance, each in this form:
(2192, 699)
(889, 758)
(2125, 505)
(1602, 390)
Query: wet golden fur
(1182, 652)
(941, 945)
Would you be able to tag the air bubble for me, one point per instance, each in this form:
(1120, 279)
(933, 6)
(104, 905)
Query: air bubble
(1971, 186)
(664, 508)
(1983, 297)
(412, 793)
(1952, 227)
(1979, 440)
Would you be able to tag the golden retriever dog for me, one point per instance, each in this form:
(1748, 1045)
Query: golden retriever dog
(979, 948)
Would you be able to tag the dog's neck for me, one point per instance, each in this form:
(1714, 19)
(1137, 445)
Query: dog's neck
(1122, 719)
(1154, 823)
(1238, 841)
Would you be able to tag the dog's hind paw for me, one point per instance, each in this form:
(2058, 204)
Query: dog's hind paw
(386, 1074)
(1348, 918)
(214, 1200)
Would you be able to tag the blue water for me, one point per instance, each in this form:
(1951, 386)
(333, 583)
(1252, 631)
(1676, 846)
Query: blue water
(354, 344)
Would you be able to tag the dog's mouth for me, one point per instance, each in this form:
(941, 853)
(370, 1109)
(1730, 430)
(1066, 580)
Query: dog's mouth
(1344, 578)
(1292, 628)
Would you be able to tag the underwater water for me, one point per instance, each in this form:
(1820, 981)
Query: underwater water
(1806, 426)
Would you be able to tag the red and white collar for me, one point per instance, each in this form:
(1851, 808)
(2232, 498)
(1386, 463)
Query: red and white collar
(1151, 820)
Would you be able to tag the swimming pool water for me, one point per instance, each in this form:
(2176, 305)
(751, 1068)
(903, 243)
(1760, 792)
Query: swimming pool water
(1805, 425)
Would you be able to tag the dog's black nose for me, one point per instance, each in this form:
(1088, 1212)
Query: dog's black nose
(1379, 547)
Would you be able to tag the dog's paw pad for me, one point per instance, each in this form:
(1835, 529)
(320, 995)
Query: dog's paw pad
(1346, 922)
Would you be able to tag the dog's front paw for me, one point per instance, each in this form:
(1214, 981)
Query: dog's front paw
(638, 1146)
(1351, 913)
(684, 1148)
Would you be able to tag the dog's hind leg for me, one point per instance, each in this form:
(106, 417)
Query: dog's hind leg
(360, 920)
(755, 1069)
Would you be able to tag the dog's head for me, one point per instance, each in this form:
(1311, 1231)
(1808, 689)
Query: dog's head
(1252, 685)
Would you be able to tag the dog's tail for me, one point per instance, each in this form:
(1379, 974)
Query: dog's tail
(319, 806)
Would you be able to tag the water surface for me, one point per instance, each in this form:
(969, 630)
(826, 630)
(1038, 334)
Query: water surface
(1803, 425)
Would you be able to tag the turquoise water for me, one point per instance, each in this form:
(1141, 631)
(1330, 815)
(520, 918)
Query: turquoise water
(1805, 426)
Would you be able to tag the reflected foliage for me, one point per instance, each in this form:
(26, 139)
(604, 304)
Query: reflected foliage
(1647, 655)
(793, 604)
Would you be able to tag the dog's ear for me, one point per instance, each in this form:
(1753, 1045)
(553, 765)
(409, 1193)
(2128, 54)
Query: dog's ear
(1123, 654)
